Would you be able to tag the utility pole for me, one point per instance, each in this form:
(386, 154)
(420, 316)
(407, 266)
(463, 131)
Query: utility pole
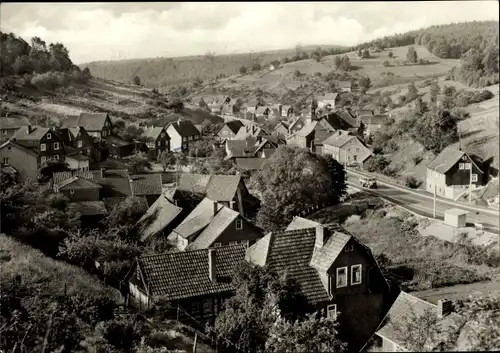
(470, 180)
(434, 208)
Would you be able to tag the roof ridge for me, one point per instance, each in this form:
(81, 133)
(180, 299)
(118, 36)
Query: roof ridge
(192, 251)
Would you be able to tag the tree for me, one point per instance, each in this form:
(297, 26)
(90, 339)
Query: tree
(338, 62)
(360, 52)
(86, 72)
(346, 63)
(366, 54)
(390, 54)
(138, 163)
(201, 148)
(364, 84)
(256, 67)
(166, 159)
(411, 55)
(291, 181)
(137, 81)
(434, 91)
(243, 70)
(313, 335)
(338, 176)
(412, 92)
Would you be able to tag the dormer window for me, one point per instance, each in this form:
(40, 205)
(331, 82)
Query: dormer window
(80, 143)
(239, 224)
(341, 277)
(49, 136)
(356, 274)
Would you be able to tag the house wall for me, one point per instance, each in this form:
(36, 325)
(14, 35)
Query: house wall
(25, 163)
(140, 298)
(461, 177)
(50, 147)
(88, 147)
(299, 141)
(7, 134)
(226, 133)
(248, 233)
(437, 179)
(175, 139)
(76, 164)
(81, 195)
(280, 131)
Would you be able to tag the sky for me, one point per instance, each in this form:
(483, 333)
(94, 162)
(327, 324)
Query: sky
(114, 31)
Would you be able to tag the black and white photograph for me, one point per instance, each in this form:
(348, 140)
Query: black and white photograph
(249, 177)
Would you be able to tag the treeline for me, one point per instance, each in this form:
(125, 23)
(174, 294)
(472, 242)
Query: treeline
(41, 65)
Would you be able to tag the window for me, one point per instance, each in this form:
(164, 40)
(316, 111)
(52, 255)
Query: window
(56, 157)
(474, 178)
(461, 166)
(355, 157)
(6, 161)
(331, 311)
(49, 136)
(56, 146)
(4, 132)
(9, 148)
(43, 147)
(162, 134)
(157, 143)
(355, 274)
(184, 139)
(80, 143)
(239, 224)
(72, 192)
(468, 166)
(43, 159)
(341, 277)
(349, 248)
(217, 245)
(233, 243)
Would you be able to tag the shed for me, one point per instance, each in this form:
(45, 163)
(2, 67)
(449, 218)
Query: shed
(455, 217)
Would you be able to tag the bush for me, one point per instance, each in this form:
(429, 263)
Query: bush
(386, 63)
(412, 182)
(376, 164)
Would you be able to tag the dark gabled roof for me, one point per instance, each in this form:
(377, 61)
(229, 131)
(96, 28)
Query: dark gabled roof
(185, 274)
(161, 213)
(146, 184)
(215, 187)
(198, 219)
(347, 117)
(153, 132)
(84, 174)
(184, 128)
(234, 125)
(447, 159)
(116, 186)
(88, 208)
(196, 183)
(291, 251)
(115, 141)
(75, 182)
(89, 121)
(242, 148)
(8, 123)
(251, 163)
(16, 145)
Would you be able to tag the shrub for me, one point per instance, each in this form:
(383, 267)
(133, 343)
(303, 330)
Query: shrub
(376, 164)
(412, 182)
(386, 63)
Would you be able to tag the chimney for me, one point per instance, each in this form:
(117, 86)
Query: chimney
(253, 129)
(212, 261)
(231, 204)
(179, 121)
(30, 129)
(215, 208)
(444, 307)
(320, 236)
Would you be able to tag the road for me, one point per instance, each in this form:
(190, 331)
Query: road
(459, 291)
(423, 204)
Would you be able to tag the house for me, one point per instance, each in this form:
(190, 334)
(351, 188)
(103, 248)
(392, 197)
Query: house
(84, 174)
(296, 125)
(281, 129)
(406, 309)
(337, 274)
(229, 109)
(23, 160)
(78, 189)
(44, 141)
(251, 105)
(212, 224)
(229, 130)
(118, 147)
(9, 125)
(146, 185)
(228, 190)
(90, 213)
(249, 164)
(76, 160)
(160, 219)
(328, 101)
(252, 147)
(97, 125)
(346, 149)
(452, 171)
(78, 139)
(262, 112)
(372, 123)
(345, 86)
(198, 281)
(303, 138)
(347, 117)
(156, 139)
(182, 133)
(250, 130)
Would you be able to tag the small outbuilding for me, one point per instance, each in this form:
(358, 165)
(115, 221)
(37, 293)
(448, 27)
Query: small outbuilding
(455, 217)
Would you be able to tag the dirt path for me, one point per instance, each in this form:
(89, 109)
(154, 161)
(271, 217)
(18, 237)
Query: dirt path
(459, 291)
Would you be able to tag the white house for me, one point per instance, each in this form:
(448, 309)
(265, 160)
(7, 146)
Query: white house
(182, 133)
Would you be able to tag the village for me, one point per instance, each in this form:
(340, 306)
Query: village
(230, 218)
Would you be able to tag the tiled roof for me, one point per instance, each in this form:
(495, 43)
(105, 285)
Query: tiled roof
(184, 128)
(115, 186)
(198, 219)
(251, 163)
(242, 148)
(250, 130)
(337, 140)
(161, 213)
(307, 129)
(153, 132)
(347, 117)
(407, 307)
(84, 174)
(186, 274)
(215, 187)
(36, 133)
(77, 183)
(146, 184)
(445, 160)
(88, 208)
(89, 121)
(13, 123)
(116, 172)
(301, 223)
(217, 225)
(324, 257)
